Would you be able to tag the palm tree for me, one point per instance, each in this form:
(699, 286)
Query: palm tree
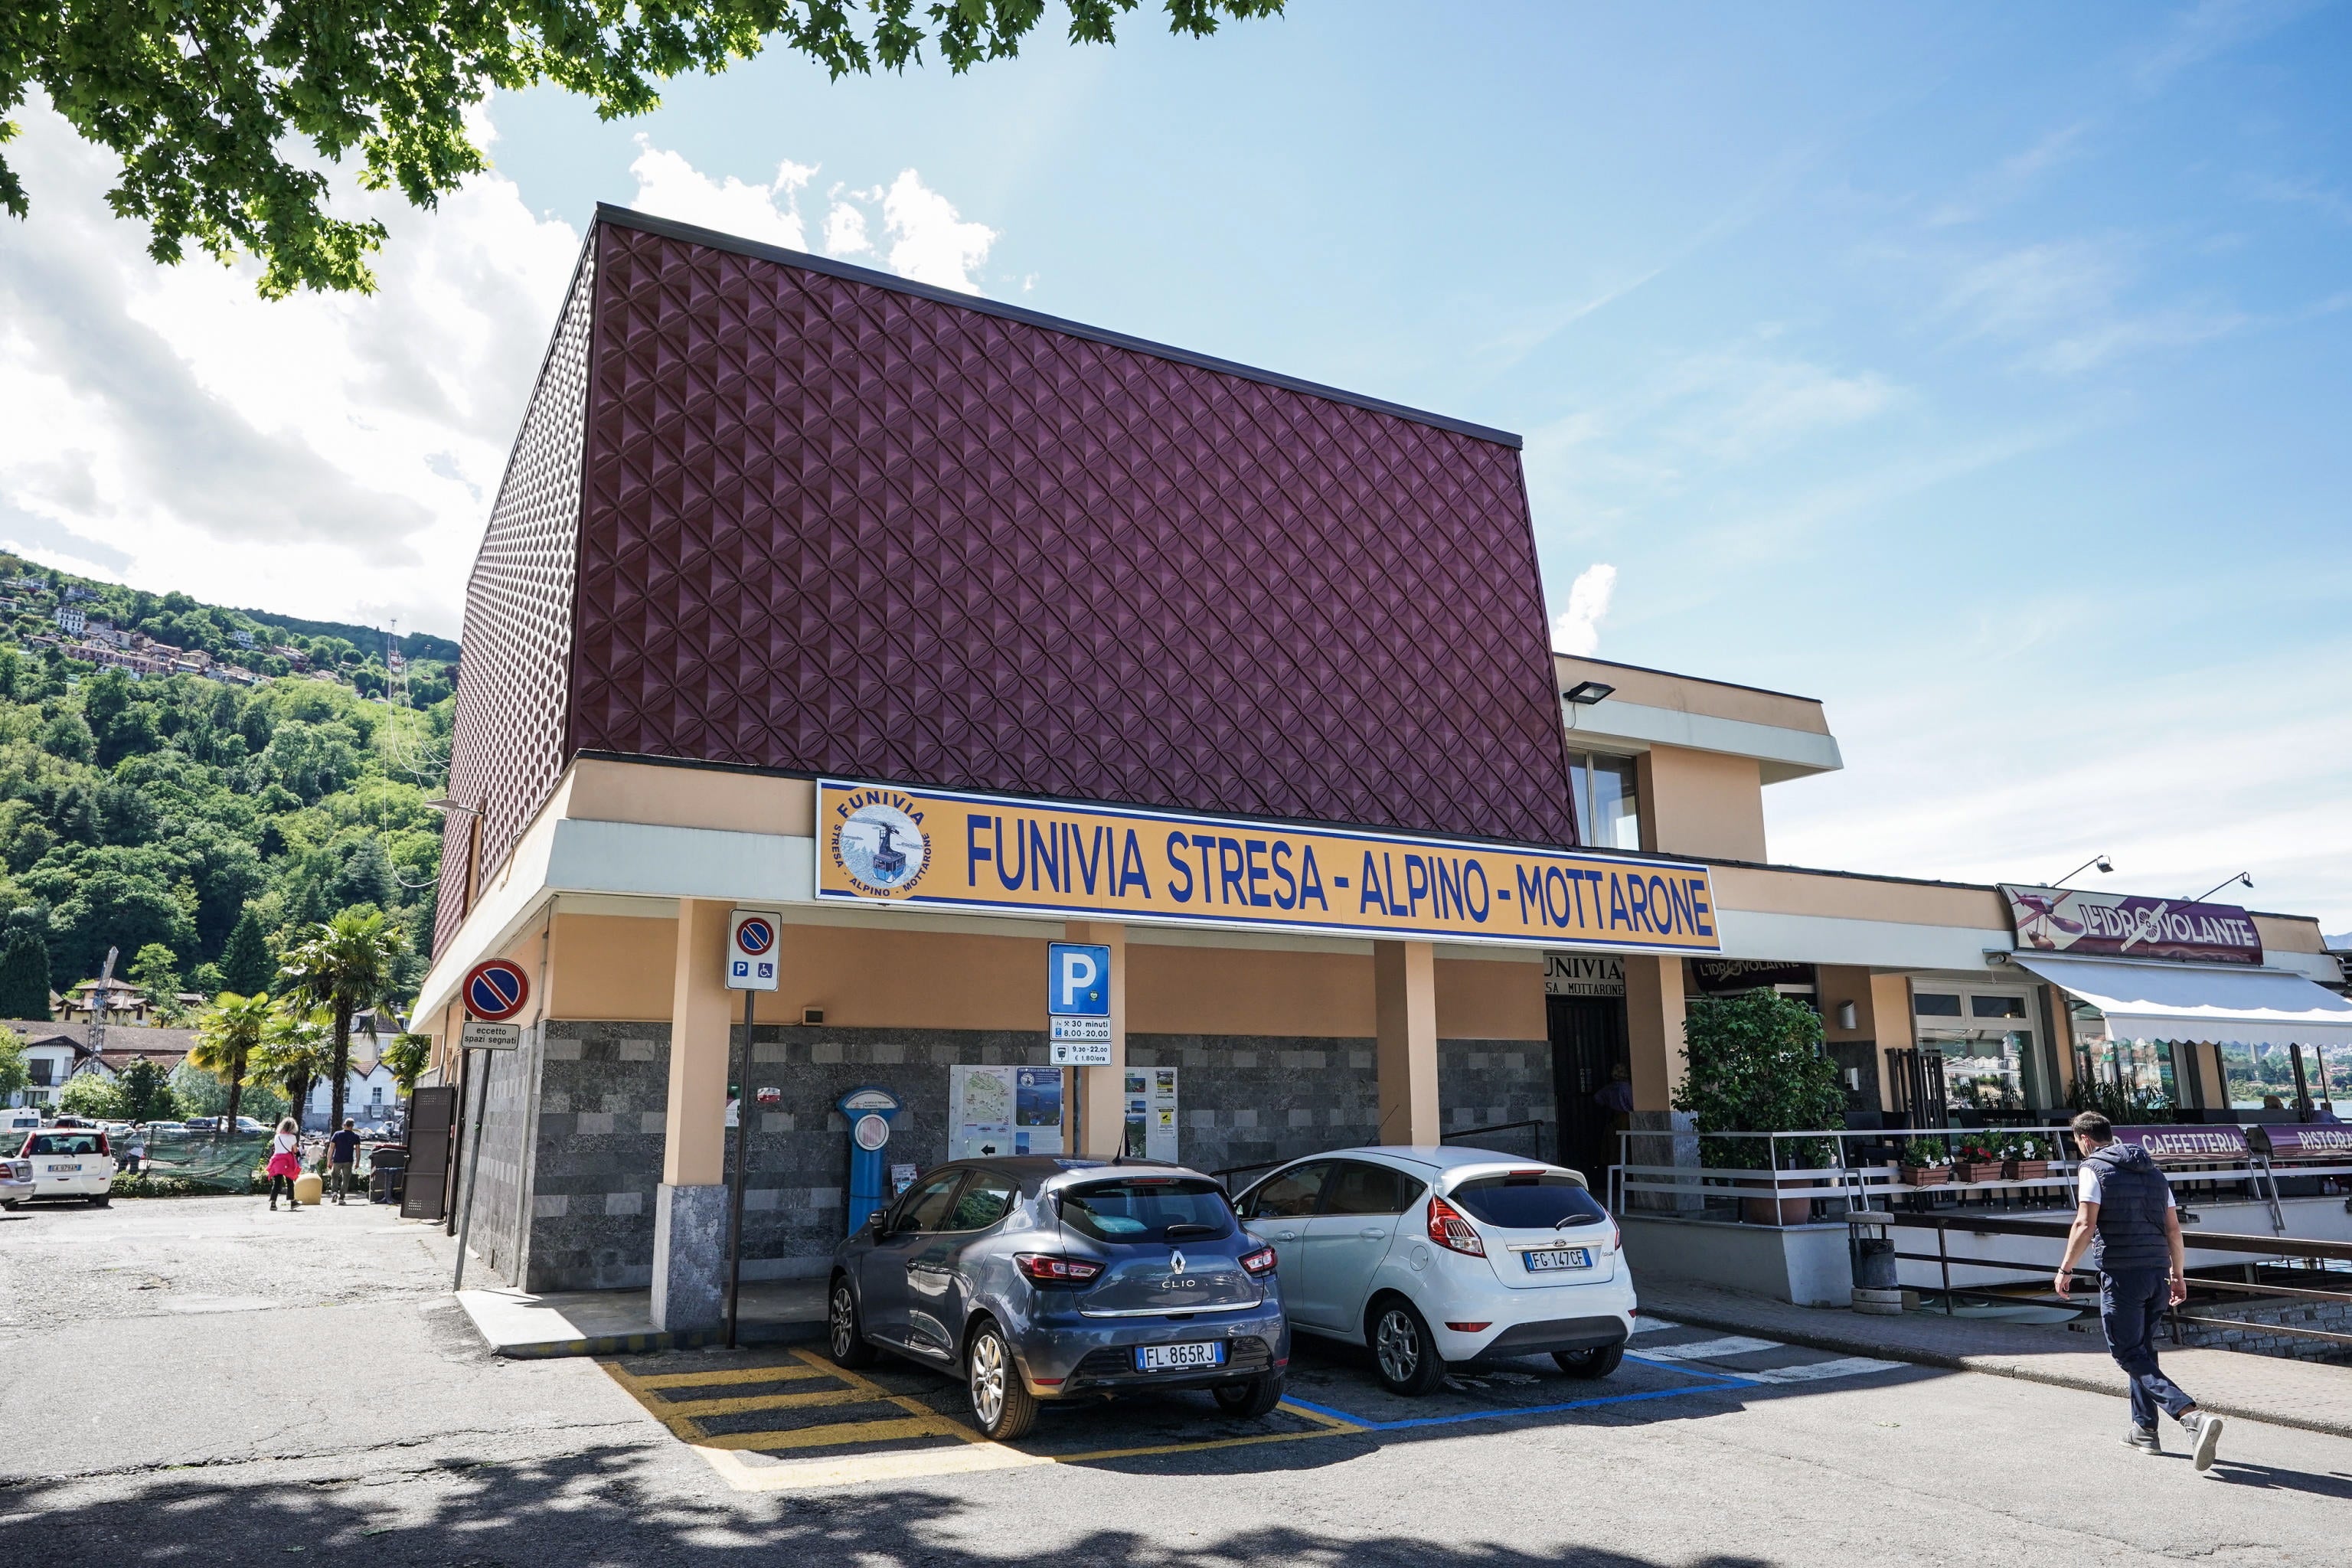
(228, 1033)
(293, 1050)
(344, 966)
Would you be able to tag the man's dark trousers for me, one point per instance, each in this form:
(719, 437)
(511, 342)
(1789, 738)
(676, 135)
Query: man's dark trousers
(2131, 1304)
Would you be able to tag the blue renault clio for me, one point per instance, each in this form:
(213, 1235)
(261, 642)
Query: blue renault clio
(1034, 1277)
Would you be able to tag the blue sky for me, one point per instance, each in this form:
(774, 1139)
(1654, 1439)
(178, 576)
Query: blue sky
(1980, 371)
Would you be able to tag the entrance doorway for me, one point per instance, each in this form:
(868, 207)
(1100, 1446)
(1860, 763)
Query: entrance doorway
(1587, 1045)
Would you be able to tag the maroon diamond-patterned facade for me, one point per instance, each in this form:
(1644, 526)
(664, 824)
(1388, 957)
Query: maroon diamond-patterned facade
(828, 521)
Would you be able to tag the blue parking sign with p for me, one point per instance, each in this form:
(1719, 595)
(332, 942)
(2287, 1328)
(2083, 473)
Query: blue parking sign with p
(1077, 980)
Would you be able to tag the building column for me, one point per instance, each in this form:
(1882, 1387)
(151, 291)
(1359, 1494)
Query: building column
(2212, 1082)
(1102, 1091)
(690, 1205)
(1654, 1012)
(1404, 1008)
(1890, 1008)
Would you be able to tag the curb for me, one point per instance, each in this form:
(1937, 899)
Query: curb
(1859, 1344)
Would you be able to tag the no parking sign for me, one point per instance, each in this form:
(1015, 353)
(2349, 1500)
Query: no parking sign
(752, 950)
(496, 990)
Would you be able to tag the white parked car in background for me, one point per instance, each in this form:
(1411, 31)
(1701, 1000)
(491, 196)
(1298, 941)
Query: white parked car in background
(1435, 1255)
(16, 1182)
(71, 1163)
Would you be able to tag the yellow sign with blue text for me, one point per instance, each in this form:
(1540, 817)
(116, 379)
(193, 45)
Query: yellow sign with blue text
(934, 848)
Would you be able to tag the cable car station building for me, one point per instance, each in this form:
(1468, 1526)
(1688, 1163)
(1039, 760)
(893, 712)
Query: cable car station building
(942, 631)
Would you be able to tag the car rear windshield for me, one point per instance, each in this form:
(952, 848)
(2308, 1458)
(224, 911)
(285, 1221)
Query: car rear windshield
(1148, 1208)
(62, 1143)
(1536, 1200)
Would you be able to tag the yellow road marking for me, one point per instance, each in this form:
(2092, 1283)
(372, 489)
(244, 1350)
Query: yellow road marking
(779, 1374)
(889, 1429)
(823, 1397)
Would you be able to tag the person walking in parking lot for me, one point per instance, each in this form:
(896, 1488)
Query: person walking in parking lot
(285, 1163)
(2125, 1216)
(343, 1155)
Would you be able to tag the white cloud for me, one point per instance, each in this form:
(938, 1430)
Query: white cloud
(930, 243)
(317, 455)
(325, 456)
(845, 231)
(669, 186)
(1577, 629)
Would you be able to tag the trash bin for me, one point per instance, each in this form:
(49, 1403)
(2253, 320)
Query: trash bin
(388, 1173)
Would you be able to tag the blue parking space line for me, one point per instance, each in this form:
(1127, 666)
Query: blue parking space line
(1716, 1380)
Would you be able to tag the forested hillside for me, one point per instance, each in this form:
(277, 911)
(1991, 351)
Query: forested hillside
(152, 811)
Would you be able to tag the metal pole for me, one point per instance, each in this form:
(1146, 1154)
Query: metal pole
(742, 1128)
(473, 1169)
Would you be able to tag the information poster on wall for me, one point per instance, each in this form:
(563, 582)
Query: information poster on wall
(1151, 1113)
(1003, 1110)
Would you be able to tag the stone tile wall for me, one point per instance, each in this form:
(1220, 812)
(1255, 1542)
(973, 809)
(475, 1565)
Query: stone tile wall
(2253, 1328)
(602, 1087)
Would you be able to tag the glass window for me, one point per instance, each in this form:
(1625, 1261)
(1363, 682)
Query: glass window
(983, 1202)
(1936, 1004)
(1293, 1193)
(926, 1207)
(1148, 1208)
(62, 1143)
(1544, 1201)
(1357, 1188)
(1997, 1006)
(1608, 813)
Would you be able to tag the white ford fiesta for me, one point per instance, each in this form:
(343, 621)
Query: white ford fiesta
(1432, 1255)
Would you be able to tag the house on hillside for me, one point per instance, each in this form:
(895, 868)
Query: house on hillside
(124, 1004)
(68, 619)
(55, 1053)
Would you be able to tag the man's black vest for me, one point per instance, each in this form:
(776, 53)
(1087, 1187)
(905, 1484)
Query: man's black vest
(2132, 1193)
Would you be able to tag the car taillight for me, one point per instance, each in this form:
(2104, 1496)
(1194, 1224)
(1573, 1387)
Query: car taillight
(1049, 1268)
(1259, 1263)
(1449, 1229)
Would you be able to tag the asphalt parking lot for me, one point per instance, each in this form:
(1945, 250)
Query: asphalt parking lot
(773, 1419)
(216, 1385)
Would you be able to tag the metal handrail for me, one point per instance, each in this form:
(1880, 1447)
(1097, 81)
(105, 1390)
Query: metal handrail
(2202, 1241)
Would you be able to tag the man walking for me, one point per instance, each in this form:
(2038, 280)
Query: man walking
(2126, 1217)
(342, 1153)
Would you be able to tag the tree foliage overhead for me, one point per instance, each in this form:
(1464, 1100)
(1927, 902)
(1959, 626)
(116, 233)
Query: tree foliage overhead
(226, 114)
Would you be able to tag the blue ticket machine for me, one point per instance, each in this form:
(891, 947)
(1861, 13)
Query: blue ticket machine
(869, 1112)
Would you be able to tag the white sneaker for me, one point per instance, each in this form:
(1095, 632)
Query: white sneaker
(2207, 1432)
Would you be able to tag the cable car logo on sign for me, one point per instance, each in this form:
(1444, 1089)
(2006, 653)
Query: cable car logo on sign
(878, 841)
(496, 990)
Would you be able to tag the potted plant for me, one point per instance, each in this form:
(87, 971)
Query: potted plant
(1975, 1163)
(1926, 1163)
(2026, 1159)
(1755, 1065)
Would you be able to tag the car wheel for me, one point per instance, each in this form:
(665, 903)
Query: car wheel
(845, 1329)
(1599, 1361)
(102, 1200)
(1403, 1353)
(1250, 1400)
(1001, 1405)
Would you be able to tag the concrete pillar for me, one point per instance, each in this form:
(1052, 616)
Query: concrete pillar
(690, 1205)
(1654, 1012)
(1102, 1091)
(2212, 1085)
(1654, 1029)
(1890, 1006)
(1404, 1009)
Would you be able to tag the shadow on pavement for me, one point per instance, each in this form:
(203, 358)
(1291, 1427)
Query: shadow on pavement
(591, 1508)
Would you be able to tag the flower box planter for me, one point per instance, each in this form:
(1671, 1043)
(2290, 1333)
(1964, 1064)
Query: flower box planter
(1976, 1171)
(2024, 1170)
(1926, 1175)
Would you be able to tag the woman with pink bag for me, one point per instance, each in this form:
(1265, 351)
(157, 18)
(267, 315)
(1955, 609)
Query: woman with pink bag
(285, 1163)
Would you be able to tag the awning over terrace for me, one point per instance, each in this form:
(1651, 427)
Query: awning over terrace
(2202, 1001)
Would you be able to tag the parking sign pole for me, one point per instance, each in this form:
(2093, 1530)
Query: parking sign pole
(742, 1127)
(473, 1169)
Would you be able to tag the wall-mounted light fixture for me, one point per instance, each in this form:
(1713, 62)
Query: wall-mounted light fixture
(2101, 861)
(447, 803)
(1585, 693)
(2240, 876)
(812, 1015)
(1847, 1016)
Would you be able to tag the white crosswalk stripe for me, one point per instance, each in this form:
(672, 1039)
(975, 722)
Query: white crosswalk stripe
(1701, 1352)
